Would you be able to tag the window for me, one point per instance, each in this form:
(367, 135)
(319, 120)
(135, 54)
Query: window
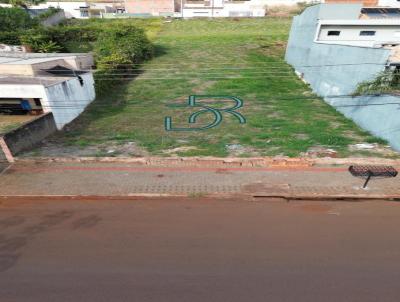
(84, 11)
(37, 102)
(397, 33)
(334, 33)
(367, 33)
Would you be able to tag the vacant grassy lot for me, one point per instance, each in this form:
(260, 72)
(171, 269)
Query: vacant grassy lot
(242, 58)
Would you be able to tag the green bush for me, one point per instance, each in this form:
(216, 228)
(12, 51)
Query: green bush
(10, 37)
(22, 3)
(15, 19)
(387, 81)
(118, 46)
(110, 71)
(129, 43)
(47, 14)
(63, 34)
(39, 40)
(117, 50)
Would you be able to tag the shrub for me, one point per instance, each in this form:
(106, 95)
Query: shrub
(386, 82)
(47, 14)
(62, 34)
(39, 40)
(130, 43)
(10, 37)
(110, 70)
(117, 51)
(15, 19)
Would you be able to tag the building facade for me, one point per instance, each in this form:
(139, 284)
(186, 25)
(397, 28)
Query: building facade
(334, 69)
(84, 9)
(366, 3)
(38, 83)
(150, 7)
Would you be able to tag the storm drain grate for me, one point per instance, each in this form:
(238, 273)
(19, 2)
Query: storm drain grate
(372, 171)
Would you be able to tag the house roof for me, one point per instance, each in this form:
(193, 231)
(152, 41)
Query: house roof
(24, 61)
(362, 22)
(42, 80)
(59, 70)
(381, 12)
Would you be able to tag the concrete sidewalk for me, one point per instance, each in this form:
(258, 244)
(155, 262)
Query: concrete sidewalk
(69, 179)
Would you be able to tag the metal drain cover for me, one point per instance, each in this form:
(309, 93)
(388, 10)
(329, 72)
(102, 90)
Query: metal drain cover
(372, 171)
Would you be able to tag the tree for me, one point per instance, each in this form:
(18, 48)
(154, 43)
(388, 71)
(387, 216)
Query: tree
(40, 41)
(22, 3)
(13, 19)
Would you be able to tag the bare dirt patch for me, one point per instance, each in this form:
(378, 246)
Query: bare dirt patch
(113, 149)
(373, 148)
(175, 151)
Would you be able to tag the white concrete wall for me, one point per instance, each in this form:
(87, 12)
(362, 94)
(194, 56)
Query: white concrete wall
(66, 100)
(389, 3)
(252, 8)
(202, 12)
(71, 9)
(337, 70)
(69, 99)
(350, 35)
(22, 91)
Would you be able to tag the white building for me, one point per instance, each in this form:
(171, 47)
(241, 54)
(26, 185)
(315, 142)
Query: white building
(369, 33)
(82, 9)
(229, 8)
(357, 29)
(335, 48)
(57, 83)
(389, 3)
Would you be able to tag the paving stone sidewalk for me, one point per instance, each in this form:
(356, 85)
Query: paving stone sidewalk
(124, 179)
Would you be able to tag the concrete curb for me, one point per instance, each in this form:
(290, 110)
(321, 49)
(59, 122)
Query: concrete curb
(329, 197)
(216, 161)
(248, 197)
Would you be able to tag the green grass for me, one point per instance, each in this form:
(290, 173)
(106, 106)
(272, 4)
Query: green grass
(11, 122)
(198, 57)
(8, 128)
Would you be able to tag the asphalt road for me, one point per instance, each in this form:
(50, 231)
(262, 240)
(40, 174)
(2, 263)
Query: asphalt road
(198, 250)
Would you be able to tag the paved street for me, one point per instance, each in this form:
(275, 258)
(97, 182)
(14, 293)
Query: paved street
(198, 250)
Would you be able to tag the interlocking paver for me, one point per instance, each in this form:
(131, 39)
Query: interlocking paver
(118, 179)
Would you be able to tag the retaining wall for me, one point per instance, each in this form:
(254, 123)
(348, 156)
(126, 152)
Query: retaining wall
(30, 134)
(335, 71)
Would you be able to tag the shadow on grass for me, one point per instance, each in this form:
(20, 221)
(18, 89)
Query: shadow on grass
(108, 104)
(160, 50)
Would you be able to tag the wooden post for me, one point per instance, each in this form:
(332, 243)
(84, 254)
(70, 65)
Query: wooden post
(6, 150)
